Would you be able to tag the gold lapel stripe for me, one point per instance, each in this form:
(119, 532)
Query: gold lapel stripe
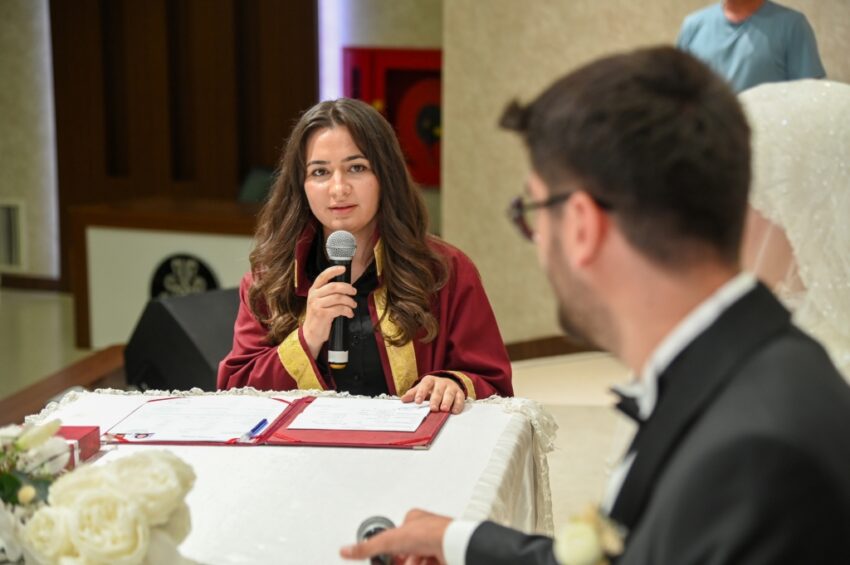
(379, 257)
(297, 363)
(402, 359)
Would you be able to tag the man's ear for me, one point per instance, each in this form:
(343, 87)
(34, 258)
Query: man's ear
(586, 227)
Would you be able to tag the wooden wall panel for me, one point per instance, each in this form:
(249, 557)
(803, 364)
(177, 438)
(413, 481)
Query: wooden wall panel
(278, 78)
(180, 100)
(146, 75)
(114, 81)
(207, 117)
(174, 98)
(78, 99)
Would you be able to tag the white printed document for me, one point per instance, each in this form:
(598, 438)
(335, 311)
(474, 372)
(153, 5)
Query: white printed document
(365, 414)
(202, 418)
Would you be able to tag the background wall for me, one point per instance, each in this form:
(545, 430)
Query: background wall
(502, 49)
(27, 153)
(118, 100)
(377, 23)
(372, 23)
(493, 51)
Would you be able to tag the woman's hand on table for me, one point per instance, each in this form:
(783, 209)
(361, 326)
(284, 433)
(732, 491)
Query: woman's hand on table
(444, 393)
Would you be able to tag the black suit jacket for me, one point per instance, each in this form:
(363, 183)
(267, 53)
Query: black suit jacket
(746, 458)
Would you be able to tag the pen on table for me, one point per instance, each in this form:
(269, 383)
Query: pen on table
(248, 436)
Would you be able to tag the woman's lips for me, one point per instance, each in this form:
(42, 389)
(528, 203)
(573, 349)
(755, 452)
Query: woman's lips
(341, 210)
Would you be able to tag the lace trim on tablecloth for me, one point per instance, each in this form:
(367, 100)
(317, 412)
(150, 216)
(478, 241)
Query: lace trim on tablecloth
(504, 473)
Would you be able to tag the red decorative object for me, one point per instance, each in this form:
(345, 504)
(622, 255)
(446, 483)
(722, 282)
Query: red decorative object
(405, 86)
(83, 441)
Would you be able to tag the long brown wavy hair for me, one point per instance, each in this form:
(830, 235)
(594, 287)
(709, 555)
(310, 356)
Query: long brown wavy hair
(411, 270)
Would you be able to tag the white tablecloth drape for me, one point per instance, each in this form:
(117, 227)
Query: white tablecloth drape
(288, 504)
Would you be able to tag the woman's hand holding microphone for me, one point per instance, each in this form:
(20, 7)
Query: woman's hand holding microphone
(326, 300)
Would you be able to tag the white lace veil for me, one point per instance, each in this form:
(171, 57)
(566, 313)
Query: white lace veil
(798, 232)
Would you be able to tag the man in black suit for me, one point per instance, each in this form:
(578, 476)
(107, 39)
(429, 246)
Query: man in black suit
(641, 169)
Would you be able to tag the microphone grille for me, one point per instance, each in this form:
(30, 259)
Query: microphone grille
(341, 245)
(373, 526)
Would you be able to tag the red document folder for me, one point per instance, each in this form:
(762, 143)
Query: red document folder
(279, 434)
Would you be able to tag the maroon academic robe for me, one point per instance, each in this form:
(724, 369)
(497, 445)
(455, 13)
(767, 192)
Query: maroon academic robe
(468, 347)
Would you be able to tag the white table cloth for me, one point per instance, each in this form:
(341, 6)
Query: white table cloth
(286, 504)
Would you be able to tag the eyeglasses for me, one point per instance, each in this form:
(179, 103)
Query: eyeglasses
(519, 208)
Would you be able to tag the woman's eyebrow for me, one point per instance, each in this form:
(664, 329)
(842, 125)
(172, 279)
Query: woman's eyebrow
(349, 158)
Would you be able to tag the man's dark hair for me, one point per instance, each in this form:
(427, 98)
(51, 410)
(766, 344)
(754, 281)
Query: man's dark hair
(656, 135)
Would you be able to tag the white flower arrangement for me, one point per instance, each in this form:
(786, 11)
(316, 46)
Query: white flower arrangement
(128, 511)
(30, 458)
(588, 539)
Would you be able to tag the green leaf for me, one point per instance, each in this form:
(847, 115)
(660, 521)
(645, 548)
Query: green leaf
(41, 487)
(9, 487)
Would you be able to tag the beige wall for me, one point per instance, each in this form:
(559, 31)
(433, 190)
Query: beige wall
(27, 152)
(372, 23)
(403, 24)
(493, 50)
(831, 22)
(378, 23)
(501, 49)
(394, 23)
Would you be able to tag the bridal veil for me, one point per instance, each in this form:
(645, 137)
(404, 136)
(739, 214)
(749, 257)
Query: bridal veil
(798, 231)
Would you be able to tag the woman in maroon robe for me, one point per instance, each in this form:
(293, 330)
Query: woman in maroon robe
(420, 324)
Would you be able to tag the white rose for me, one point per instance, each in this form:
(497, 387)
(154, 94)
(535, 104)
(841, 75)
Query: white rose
(65, 490)
(9, 546)
(36, 435)
(73, 560)
(578, 544)
(163, 550)
(8, 434)
(179, 525)
(108, 527)
(49, 458)
(45, 535)
(156, 480)
(184, 471)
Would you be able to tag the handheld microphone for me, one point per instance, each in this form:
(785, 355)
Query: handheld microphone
(340, 248)
(373, 526)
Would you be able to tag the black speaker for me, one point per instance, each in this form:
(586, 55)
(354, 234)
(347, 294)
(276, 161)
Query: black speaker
(180, 340)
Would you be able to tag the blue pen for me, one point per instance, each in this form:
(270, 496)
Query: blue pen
(248, 436)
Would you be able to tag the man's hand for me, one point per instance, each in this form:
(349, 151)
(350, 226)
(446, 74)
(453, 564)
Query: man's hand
(445, 394)
(419, 540)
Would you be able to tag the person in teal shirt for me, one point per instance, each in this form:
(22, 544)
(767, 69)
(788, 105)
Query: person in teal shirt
(750, 42)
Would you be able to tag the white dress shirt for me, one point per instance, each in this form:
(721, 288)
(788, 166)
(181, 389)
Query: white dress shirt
(643, 389)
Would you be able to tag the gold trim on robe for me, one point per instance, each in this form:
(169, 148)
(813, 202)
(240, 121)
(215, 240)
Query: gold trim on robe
(402, 359)
(379, 257)
(297, 363)
(467, 383)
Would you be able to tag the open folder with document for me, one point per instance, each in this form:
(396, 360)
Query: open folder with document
(260, 420)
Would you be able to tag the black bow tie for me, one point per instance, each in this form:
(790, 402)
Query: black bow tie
(628, 405)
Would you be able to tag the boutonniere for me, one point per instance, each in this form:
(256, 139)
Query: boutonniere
(589, 538)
